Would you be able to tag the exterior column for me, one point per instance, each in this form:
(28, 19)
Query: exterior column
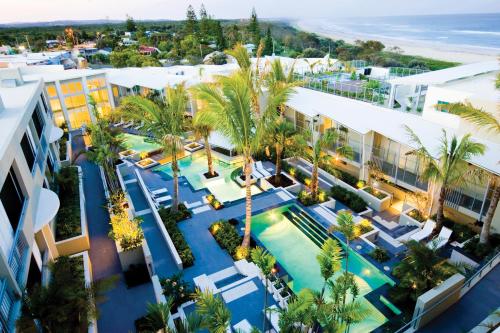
(87, 99)
(63, 104)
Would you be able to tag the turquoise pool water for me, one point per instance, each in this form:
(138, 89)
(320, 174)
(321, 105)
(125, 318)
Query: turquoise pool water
(194, 166)
(138, 143)
(296, 252)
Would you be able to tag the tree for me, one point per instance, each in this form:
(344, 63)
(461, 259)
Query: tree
(214, 313)
(158, 318)
(234, 103)
(66, 303)
(330, 260)
(268, 43)
(254, 29)
(346, 226)
(421, 270)
(220, 40)
(265, 261)
(130, 24)
(297, 311)
(233, 35)
(202, 127)
(451, 166)
(204, 23)
(488, 121)
(164, 119)
(191, 24)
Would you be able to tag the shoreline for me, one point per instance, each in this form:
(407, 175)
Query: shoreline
(441, 51)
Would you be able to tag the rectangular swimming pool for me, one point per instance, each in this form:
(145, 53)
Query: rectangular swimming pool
(288, 234)
(139, 143)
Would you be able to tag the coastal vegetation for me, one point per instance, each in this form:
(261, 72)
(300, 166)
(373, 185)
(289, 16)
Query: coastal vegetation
(192, 39)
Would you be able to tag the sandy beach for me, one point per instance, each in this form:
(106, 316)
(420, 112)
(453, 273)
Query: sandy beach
(436, 50)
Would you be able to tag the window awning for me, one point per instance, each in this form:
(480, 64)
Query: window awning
(48, 206)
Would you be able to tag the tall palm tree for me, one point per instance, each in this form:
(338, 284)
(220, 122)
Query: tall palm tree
(346, 226)
(316, 155)
(230, 103)
(330, 260)
(489, 122)
(202, 128)
(164, 119)
(298, 311)
(285, 136)
(265, 261)
(450, 168)
(277, 79)
(215, 315)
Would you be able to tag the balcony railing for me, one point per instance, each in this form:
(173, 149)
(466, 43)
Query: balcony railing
(18, 255)
(6, 303)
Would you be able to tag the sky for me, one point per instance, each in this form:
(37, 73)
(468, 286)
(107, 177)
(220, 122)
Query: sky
(50, 10)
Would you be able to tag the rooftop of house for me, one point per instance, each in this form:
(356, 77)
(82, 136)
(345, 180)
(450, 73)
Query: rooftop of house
(448, 75)
(364, 117)
(32, 57)
(482, 84)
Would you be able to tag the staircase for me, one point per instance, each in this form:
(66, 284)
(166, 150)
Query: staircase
(307, 225)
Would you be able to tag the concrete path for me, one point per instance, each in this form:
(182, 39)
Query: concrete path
(123, 306)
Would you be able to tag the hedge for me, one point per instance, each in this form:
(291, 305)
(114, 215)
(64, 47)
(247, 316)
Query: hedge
(350, 199)
(170, 221)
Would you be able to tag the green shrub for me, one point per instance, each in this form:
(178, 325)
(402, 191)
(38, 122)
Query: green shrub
(379, 254)
(62, 149)
(177, 289)
(340, 174)
(68, 220)
(348, 198)
(480, 251)
(226, 235)
(170, 221)
(306, 199)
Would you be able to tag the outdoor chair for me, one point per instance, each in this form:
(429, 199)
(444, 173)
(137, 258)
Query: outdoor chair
(425, 232)
(440, 240)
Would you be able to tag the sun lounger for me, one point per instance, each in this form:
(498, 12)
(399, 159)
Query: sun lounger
(441, 240)
(163, 199)
(138, 127)
(158, 191)
(425, 232)
(243, 327)
(261, 169)
(129, 124)
(120, 123)
(256, 174)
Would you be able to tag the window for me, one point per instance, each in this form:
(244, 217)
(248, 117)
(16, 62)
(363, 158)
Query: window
(12, 198)
(96, 83)
(51, 90)
(38, 121)
(73, 87)
(28, 151)
(44, 102)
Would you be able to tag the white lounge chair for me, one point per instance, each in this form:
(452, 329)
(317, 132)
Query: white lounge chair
(129, 124)
(425, 232)
(255, 173)
(243, 327)
(120, 123)
(138, 127)
(163, 199)
(158, 192)
(441, 240)
(261, 169)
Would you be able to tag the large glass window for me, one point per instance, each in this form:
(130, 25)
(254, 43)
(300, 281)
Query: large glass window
(72, 87)
(96, 83)
(28, 151)
(12, 198)
(51, 90)
(38, 121)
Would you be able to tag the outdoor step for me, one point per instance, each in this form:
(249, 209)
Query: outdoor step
(310, 233)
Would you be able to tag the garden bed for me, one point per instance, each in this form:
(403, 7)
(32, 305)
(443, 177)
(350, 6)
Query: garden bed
(170, 221)
(216, 204)
(68, 220)
(193, 146)
(376, 193)
(146, 163)
(228, 238)
(284, 181)
(348, 198)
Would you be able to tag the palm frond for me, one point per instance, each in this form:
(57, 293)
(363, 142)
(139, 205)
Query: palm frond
(475, 115)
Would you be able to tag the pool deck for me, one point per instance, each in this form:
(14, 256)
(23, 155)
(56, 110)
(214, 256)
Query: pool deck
(104, 257)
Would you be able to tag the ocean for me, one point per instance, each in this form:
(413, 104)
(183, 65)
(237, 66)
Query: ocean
(476, 30)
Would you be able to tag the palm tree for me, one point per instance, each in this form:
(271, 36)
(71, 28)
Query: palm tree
(489, 122)
(158, 318)
(202, 129)
(285, 136)
(298, 311)
(277, 80)
(346, 226)
(164, 119)
(265, 261)
(316, 155)
(330, 260)
(215, 315)
(451, 168)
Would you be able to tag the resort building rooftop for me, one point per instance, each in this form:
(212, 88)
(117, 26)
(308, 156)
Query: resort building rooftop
(449, 74)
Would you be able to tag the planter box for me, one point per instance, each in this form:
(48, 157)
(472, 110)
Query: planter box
(405, 219)
(80, 242)
(146, 163)
(241, 182)
(375, 203)
(193, 146)
(131, 257)
(460, 258)
(67, 162)
(87, 271)
(129, 153)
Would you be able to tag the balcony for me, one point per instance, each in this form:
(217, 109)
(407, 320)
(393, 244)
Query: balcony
(6, 304)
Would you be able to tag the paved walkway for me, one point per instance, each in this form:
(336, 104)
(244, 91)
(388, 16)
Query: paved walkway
(163, 262)
(123, 306)
(473, 308)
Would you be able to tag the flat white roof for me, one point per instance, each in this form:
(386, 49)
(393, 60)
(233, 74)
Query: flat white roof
(57, 74)
(449, 74)
(364, 117)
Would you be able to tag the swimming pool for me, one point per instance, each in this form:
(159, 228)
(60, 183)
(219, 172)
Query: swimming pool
(289, 235)
(194, 166)
(138, 143)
